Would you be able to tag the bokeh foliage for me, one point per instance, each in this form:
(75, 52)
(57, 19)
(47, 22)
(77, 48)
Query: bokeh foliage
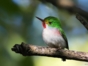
(18, 24)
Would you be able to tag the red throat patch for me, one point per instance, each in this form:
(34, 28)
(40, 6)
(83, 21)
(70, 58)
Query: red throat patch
(44, 25)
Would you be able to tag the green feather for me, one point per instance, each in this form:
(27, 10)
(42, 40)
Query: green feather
(65, 38)
(54, 22)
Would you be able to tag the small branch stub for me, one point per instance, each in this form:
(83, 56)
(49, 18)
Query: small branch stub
(31, 50)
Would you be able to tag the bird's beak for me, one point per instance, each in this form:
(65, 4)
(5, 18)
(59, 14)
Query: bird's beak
(40, 19)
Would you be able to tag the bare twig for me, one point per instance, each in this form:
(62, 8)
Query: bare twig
(69, 5)
(82, 20)
(31, 50)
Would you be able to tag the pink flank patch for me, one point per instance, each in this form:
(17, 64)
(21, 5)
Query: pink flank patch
(57, 32)
(44, 25)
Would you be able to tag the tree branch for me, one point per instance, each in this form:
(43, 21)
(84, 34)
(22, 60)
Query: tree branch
(31, 50)
(82, 20)
(70, 6)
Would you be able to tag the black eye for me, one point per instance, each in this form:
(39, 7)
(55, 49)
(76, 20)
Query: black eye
(50, 22)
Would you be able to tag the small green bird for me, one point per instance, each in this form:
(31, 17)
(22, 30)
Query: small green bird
(53, 34)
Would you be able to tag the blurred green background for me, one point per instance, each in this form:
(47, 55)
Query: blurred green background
(18, 24)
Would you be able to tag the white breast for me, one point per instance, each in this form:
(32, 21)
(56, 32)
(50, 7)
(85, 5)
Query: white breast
(52, 39)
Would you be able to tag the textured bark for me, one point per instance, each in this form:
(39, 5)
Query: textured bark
(32, 50)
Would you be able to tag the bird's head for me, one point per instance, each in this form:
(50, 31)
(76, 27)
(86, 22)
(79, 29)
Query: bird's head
(50, 21)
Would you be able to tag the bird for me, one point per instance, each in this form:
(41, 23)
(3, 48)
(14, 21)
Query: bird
(53, 34)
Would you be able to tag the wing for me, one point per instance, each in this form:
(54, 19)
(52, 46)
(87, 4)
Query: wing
(64, 36)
